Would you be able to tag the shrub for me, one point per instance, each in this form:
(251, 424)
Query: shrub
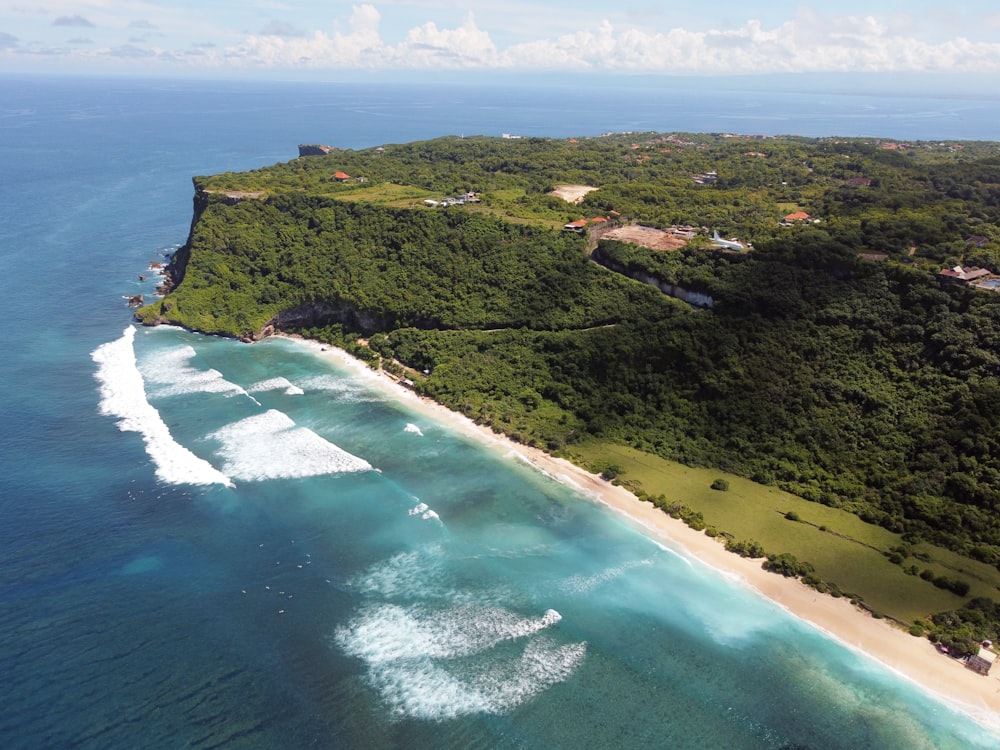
(745, 548)
(722, 485)
(611, 471)
(787, 565)
(792, 516)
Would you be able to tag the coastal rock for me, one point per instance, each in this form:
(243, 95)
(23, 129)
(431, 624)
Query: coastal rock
(135, 301)
(306, 149)
(320, 313)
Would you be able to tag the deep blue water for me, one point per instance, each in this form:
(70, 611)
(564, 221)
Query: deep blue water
(209, 544)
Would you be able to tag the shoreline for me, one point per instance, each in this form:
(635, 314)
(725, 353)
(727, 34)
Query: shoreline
(914, 659)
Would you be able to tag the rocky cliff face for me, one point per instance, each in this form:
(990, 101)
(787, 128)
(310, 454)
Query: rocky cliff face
(695, 299)
(322, 313)
(313, 150)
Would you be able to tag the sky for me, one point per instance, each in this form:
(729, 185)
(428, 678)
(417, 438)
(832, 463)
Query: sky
(321, 38)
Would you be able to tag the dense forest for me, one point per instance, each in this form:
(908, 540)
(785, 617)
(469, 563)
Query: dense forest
(833, 362)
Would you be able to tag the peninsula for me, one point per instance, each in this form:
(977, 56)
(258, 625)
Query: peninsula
(793, 345)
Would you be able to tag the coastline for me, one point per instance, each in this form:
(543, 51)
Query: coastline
(915, 659)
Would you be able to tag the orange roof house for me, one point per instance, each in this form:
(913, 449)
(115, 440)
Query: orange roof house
(797, 216)
(341, 176)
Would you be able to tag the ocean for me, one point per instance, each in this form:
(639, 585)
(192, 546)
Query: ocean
(210, 544)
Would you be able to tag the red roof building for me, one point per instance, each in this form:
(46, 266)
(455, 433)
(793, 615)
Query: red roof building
(341, 176)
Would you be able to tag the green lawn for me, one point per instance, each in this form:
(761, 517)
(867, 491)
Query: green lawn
(844, 549)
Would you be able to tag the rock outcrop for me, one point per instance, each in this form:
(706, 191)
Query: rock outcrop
(306, 149)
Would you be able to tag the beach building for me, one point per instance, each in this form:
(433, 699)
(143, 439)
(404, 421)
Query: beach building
(981, 662)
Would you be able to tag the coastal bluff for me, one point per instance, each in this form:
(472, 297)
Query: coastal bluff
(828, 360)
(313, 150)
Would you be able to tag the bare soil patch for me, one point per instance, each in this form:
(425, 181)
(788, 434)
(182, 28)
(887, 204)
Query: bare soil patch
(572, 193)
(654, 239)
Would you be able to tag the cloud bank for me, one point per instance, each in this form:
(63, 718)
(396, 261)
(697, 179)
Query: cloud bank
(808, 42)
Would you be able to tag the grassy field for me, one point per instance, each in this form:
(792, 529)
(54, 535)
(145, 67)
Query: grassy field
(843, 549)
(388, 194)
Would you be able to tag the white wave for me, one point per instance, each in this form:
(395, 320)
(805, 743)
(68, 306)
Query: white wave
(342, 388)
(425, 690)
(276, 384)
(271, 446)
(172, 375)
(542, 665)
(388, 632)
(418, 574)
(422, 510)
(123, 395)
(419, 660)
(413, 429)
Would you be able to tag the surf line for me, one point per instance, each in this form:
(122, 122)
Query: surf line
(123, 395)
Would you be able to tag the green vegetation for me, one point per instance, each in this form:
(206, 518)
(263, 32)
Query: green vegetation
(851, 398)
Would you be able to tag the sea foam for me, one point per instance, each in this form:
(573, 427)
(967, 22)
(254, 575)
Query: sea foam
(413, 429)
(343, 389)
(271, 446)
(123, 395)
(171, 374)
(441, 664)
(276, 384)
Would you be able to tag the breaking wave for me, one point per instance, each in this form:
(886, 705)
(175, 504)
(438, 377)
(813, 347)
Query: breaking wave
(441, 664)
(276, 384)
(123, 395)
(271, 446)
(342, 389)
(170, 374)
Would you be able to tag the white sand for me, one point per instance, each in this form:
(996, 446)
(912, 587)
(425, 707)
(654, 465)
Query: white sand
(913, 658)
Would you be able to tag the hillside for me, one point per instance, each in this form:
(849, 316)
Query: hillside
(832, 361)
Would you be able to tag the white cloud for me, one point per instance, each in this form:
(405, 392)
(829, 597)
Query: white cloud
(810, 42)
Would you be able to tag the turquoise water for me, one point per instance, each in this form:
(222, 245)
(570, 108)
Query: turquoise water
(211, 544)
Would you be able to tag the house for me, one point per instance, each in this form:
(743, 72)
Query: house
(341, 176)
(963, 274)
(980, 663)
(796, 218)
(859, 182)
(977, 239)
(575, 226)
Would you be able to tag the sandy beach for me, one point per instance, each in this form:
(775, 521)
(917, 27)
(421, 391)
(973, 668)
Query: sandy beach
(916, 659)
